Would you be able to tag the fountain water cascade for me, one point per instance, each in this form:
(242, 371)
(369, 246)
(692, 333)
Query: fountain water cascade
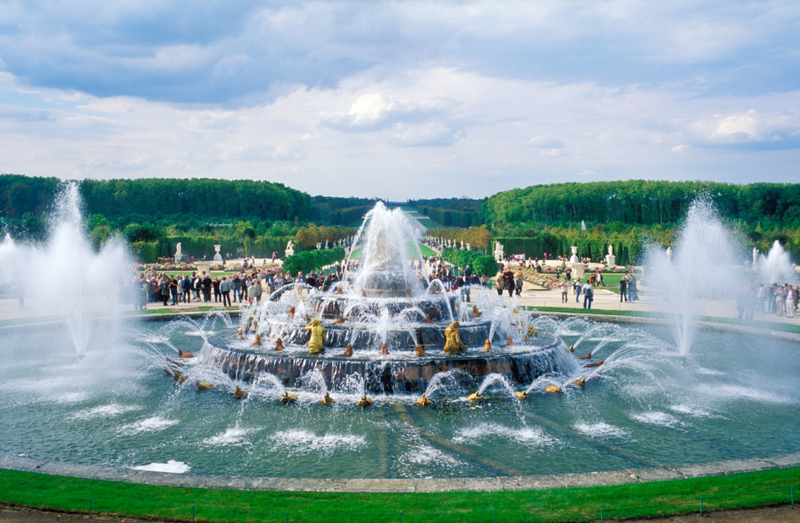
(66, 278)
(394, 321)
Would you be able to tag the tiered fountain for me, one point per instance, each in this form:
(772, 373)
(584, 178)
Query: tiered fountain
(385, 323)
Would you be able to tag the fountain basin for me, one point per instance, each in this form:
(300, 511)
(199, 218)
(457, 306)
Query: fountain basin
(402, 372)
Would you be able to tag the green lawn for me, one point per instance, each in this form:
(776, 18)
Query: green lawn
(564, 504)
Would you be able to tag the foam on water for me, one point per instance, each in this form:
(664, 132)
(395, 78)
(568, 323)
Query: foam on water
(154, 424)
(601, 430)
(533, 437)
(233, 436)
(104, 411)
(691, 410)
(427, 455)
(300, 441)
(739, 392)
(655, 417)
(171, 466)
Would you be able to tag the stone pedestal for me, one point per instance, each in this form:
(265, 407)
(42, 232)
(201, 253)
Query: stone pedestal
(203, 267)
(611, 261)
(578, 270)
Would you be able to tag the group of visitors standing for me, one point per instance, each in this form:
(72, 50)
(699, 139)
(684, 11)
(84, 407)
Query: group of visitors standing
(509, 281)
(781, 300)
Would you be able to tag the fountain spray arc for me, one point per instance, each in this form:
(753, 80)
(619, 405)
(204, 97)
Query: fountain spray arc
(65, 277)
(701, 267)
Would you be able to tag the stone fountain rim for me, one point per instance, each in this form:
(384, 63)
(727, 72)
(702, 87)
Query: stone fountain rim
(416, 485)
(394, 485)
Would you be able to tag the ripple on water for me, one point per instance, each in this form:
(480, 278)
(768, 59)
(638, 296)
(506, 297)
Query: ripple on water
(103, 411)
(532, 437)
(738, 392)
(300, 441)
(233, 436)
(601, 430)
(690, 410)
(426, 455)
(655, 417)
(154, 424)
(171, 466)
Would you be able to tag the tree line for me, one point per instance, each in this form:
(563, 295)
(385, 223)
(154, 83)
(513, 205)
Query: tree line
(642, 202)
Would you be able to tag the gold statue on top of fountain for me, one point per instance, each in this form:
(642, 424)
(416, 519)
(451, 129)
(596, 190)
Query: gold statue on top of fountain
(453, 344)
(317, 341)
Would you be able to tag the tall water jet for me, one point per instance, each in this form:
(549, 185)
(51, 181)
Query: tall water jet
(701, 267)
(777, 265)
(65, 277)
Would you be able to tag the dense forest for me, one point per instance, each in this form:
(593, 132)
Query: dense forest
(548, 218)
(259, 218)
(153, 215)
(640, 202)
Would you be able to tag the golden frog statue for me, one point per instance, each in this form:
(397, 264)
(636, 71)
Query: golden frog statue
(317, 341)
(453, 344)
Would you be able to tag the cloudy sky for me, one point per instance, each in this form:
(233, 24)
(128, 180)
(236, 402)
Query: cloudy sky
(401, 99)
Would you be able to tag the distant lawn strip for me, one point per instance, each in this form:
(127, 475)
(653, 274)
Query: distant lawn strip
(566, 504)
(761, 324)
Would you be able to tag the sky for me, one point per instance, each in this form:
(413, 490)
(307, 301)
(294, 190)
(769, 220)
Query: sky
(400, 100)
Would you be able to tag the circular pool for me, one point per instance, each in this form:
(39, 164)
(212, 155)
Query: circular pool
(735, 396)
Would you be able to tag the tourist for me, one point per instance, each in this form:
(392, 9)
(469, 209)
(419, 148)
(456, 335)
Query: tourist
(780, 300)
(186, 288)
(623, 290)
(508, 282)
(789, 301)
(578, 287)
(173, 289)
(564, 289)
(206, 285)
(225, 289)
(163, 287)
(518, 281)
(499, 283)
(236, 287)
(588, 296)
(485, 279)
(633, 289)
(217, 293)
(796, 295)
(598, 279)
(197, 284)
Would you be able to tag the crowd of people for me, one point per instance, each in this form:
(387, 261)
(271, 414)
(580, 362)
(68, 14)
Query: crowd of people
(777, 299)
(247, 286)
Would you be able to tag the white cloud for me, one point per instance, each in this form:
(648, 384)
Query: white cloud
(546, 141)
(374, 111)
(587, 172)
(747, 127)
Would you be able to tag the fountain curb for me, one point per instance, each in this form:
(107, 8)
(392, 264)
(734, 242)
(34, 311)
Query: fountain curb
(426, 485)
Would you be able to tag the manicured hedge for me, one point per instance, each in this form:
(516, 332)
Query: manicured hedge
(307, 261)
(480, 263)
